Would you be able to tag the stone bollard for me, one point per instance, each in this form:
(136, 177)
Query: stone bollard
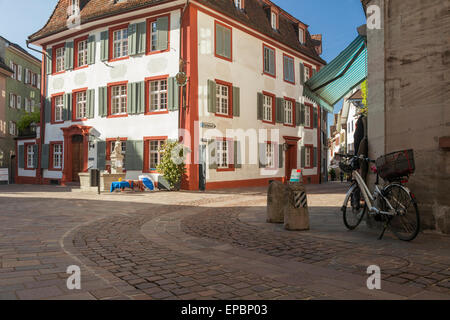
(296, 215)
(276, 201)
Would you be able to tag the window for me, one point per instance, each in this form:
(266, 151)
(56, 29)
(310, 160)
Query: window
(29, 156)
(288, 112)
(308, 72)
(157, 95)
(274, 20)
(19, 102)
(309, 154)
(57, 155)
(59, 53)
(15, 70)
(288, 67)
(12, 100)
(27, 105)
(268, 103)
(80, 105)
(269, 61)
(81, 52)
(153, 36)
(34, 80)
(58, 106)
(222, 99)
(301, 35)
(118, 100)
(239, 4)
(224, 153)
(308, 122)
(223, 42)
(29, 76)
(75, 8)
(270, 155)
(154, 153)
(120, 43)
(12, 128)
(32, 105)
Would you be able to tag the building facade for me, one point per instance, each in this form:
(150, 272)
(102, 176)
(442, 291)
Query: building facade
(119, 74)
(20, 95)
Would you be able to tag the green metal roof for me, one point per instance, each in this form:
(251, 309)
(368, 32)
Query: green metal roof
(341, 75)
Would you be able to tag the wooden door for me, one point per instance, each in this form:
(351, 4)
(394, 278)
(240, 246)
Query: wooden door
(291, 160)
(77, 157)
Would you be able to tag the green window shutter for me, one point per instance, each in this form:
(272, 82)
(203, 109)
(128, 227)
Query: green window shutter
(298, 116)
(102, 101)
(219, 40)
(260, 101)
(90, 104)
(237, 155)
(212, 154)
(315, 117)
(21, 156)
(173, 94)
(48, 61)
(302, 73)
(68, 58)
(262, 155)
(236, 102)
(104, 42)
(132, 39)
(315, 158)
(67, 111)
(101, 155)
(302, 114)
(280, 110)
(280, 156)
(91, 50)
(140, 94)
(227, 43)
(131, 98)
(48, 110)
(303, 156)
(134, 156)
(271, 61)
(35, 155)
(141, 39)
(211, 96)
(45, 156)
(162, 26)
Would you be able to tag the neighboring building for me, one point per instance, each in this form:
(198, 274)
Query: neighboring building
(408, 97)
(114, 76)
(20, 94)
(354, 101)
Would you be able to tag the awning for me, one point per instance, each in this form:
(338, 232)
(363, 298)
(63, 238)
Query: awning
(335, 80)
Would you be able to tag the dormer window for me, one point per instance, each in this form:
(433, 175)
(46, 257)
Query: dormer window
(239, 4)
(301, 35)
(75, 7)
(274, 21)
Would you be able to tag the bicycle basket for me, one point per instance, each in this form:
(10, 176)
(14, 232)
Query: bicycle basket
(396, 165)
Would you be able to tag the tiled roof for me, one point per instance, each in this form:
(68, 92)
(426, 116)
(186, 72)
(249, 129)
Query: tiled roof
(356, 96)
(255, 16)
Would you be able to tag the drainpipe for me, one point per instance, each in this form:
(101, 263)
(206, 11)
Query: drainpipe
(180, 109)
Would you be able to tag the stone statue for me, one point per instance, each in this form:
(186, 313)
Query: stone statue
(117, 158)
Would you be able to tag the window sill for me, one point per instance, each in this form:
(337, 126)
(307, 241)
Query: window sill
(270, 75)
(224, 58)
(149, 53)
(225, 169)
(56, 73)
(79, 120)
(150, 171)
(267, 122)
(290, 82)
(117, 116)
(54, 169)
(82, 67)
(289, 125)
(57, 122)
(150, 113)
(309, 128)
(118, 59)
(223, 115)
(29, 168)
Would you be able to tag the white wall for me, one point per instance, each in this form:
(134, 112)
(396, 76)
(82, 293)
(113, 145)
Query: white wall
(245, 72)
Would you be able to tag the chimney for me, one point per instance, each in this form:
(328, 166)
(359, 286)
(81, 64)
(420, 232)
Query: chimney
(317, 42)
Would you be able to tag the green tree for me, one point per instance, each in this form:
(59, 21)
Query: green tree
(27, 119)
(173, 162)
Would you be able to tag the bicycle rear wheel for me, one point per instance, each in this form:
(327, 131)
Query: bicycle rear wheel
(405, 224)
(354, 210)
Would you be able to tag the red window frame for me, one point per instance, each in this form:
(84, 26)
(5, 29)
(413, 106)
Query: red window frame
(274, 62)
(277, 15)
(111, 43)
(265, 93)
(108, 151)
(75, 45)
(230, 99)
(74, 104)
(114, 84)
(148, 50)
(310, 70)
(293, 125)
(311, 115)
(309, 147)
(215, 41)
(242, 5)
(25, 146)
(230, 149)
(147, 140)
(51, 153)
(53, 97)
(147, 94)
(284, 69)
(54, 48)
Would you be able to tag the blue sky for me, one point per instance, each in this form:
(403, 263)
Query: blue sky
(336, 20)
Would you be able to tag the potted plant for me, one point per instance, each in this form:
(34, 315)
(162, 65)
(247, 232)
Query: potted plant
(172, 165)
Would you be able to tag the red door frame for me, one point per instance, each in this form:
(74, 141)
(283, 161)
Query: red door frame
(293, 143)
(68, 134)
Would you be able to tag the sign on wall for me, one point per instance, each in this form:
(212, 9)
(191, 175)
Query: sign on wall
(296, 175)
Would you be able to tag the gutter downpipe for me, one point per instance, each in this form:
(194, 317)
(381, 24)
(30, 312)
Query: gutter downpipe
(180, 109)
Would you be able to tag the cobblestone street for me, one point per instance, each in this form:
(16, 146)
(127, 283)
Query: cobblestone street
(213, 245)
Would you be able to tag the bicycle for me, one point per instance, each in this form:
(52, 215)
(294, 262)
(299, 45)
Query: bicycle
(394, 204)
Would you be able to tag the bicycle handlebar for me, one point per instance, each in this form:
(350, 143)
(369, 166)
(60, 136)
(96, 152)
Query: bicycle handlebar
(361, 157)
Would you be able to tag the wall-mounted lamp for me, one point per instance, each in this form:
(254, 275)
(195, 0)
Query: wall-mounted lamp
(285, 146)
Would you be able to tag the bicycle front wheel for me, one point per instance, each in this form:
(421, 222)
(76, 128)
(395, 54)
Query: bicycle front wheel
(354, 210)
(405, 224)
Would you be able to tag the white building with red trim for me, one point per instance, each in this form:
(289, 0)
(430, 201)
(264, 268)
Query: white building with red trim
(111, 73)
